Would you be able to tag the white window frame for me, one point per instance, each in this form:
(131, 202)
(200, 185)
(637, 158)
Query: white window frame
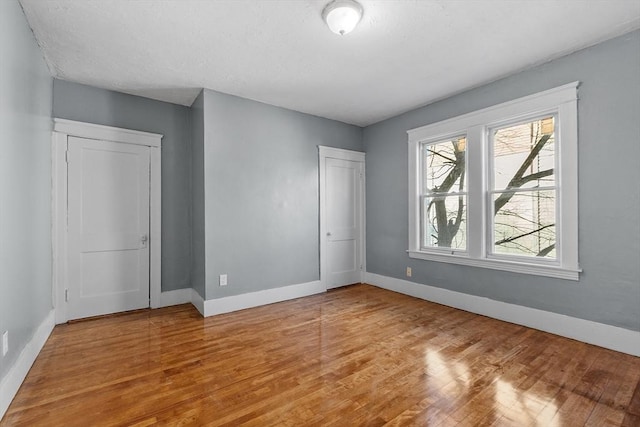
(562, 102)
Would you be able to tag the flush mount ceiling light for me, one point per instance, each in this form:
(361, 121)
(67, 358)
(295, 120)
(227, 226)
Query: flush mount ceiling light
(342, 16)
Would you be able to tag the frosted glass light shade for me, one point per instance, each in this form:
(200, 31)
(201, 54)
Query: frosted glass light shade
(342, 16)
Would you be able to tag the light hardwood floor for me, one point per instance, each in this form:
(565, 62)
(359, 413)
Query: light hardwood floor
(353, 356)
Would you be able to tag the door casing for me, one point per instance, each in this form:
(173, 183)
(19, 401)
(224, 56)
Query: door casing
(62, 130)
(341, 154)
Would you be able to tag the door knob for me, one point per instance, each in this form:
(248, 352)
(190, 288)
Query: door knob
(328, 233)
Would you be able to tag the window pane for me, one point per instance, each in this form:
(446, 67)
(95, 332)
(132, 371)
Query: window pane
(525, 224)
(443, 166)
(444, 222)
(524, 155)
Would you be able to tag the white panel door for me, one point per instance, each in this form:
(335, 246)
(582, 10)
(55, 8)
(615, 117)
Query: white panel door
(343, 235)
(108, 227)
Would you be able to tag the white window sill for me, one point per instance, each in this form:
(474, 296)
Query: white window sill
(516, 267)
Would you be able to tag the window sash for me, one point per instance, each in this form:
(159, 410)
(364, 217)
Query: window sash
(492, 128)
(491, 228)
(423, 220)
(423, 146)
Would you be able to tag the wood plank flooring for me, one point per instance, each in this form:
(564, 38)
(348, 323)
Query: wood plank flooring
(356, 356)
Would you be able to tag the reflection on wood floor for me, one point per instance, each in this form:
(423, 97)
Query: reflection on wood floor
(353, 356)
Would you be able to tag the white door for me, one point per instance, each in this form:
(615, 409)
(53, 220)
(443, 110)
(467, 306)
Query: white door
(108, 227)
(343, 227)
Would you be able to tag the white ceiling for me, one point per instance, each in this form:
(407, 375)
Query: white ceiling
(404, 53)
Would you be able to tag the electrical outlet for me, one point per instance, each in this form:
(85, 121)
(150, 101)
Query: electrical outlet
(223, 280)
(5, 343)
(408, 271)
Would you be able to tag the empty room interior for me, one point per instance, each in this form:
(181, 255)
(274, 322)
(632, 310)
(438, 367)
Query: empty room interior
(320, 213)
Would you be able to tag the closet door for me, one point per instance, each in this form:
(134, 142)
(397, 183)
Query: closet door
(108, 227)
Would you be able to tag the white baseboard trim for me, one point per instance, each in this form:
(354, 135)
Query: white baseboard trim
(175, 297)
(255, 299)
(16, 375)
(607, 336)
(197, 301)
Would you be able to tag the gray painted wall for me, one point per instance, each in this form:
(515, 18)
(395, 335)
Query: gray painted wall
(25, 183)
(261, 192)
(92, 105)
(609, 198)
(197, 196)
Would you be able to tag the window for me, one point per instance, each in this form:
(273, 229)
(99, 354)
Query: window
(444, 214)
(523, 192)
(497, 188)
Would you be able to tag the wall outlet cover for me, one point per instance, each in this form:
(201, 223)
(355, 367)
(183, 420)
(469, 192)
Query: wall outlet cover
(223, 280)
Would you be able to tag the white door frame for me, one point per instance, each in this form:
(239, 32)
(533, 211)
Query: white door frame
(62, 130)
(340, 154)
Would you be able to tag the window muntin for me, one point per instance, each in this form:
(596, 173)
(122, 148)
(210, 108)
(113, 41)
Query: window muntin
(444, 194)
(523, 193)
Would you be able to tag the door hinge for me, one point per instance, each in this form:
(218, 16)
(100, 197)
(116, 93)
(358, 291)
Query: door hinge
(66, 295)
(66, 156)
